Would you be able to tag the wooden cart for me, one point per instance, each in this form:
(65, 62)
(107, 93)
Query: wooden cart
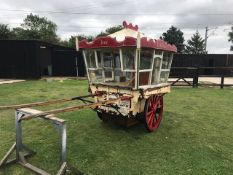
(130, 64)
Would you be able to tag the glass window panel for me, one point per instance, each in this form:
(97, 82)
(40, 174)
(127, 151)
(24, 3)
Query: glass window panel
(146, 57)
(96, 76)
(108, 59)
(122, 79)
(129, 76)
(156, 71)
(90, 57)
(129, 79)
(117, 75)
(164, 76)
(108, 74)
(99, 55)
(128, 56)
(166, 61)
(112, 59)
(117, 61)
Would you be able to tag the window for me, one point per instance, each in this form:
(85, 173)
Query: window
(146, 58)
(108, 60)
(146, 63)
(164, 76)
(166, 61)
(128, 56)
(166, 65)
(95, 76)
(90, 57)
(99, 59)
(156, 70)
(108, 75)
(117, 61)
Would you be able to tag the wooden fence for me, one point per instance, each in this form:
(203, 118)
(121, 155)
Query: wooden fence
(182, 73)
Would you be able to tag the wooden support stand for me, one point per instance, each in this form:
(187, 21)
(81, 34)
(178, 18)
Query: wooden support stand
(19, 148)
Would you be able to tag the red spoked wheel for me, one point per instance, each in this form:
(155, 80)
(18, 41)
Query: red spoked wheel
(153, 112)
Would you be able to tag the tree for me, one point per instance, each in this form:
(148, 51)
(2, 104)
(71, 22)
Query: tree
(174, 36)
(19, 33)
(110, 30)
(5, 32)
(196, 45)
(35, 27)
(230, 34)
(71, 41)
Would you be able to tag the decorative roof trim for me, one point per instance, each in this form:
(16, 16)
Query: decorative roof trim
(109, 42)
(130, 26)
(157, 44)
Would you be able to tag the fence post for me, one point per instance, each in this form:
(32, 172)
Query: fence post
(195, 77)
(222, 82)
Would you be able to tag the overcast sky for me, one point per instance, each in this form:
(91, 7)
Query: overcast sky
(153, 17)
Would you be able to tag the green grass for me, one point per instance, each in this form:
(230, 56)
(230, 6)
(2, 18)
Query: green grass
(195, 136)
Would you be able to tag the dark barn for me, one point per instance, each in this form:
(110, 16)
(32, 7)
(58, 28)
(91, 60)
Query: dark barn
(63, 67)
(31, 59)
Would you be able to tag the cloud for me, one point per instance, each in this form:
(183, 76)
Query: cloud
(152, 17)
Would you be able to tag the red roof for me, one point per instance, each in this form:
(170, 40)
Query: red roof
(129, 40)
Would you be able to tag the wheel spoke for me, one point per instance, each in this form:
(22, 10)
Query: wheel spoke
(149, 113)
(150, 117)
(156, 103)
(152, 122)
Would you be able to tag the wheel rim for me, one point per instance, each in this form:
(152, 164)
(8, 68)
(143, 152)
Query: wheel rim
(154, 112)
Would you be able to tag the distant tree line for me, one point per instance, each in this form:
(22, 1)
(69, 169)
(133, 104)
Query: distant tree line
(40, 28)
(33, 27)
(230, 34)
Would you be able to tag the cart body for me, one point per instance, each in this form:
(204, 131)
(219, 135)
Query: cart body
(130, 64)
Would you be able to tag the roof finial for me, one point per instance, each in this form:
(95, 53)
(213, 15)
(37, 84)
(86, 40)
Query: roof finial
(130, 26)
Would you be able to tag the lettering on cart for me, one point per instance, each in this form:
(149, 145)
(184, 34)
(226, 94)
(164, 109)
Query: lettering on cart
(102, 42)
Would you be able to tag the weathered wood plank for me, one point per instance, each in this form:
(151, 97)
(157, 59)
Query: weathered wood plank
(33, 168)
(72, 108)
(44, 102)
(5, 158)
(62, 169)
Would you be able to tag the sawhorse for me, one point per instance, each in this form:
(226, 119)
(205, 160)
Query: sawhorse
(19, 148)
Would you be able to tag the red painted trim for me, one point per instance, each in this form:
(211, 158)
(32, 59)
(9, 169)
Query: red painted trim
(157, 44)
(108, 42)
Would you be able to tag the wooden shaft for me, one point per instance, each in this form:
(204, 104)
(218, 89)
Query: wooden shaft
(72, 108)
(34, 104)
(43, 103)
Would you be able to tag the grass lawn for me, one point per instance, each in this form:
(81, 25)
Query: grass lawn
(195, 136)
